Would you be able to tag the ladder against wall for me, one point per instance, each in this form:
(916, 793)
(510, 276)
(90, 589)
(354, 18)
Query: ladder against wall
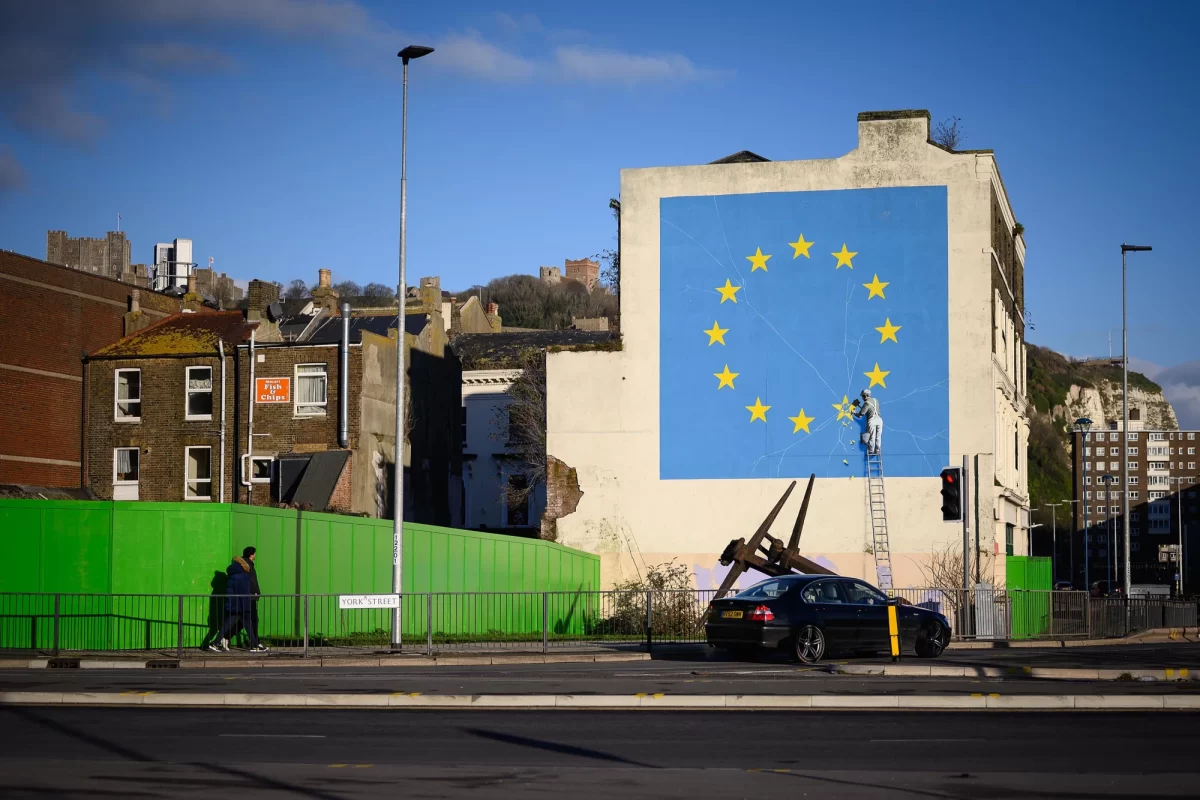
(879, 530)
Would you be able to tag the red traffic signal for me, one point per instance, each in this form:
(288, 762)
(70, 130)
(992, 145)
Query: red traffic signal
(951, 494)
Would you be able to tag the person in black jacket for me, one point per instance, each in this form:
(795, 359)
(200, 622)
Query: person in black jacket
(239, 604)
(248, 555)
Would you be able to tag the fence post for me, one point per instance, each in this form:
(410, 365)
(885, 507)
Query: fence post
(179, 635)
(545, 621)
(1087, 610)
(649, 621)
(305, 603)
(55, 643)
(429, 622)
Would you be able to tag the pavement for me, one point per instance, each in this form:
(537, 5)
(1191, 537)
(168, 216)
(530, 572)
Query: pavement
(343, 754)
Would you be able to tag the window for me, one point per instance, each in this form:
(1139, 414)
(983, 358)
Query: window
(1191, 437)
(1132, 451)
(1087, 451)
(198, 466)
(1191, 451)
(1087, 467)
(311, 395)
(1131, 465)
(128, 397)
(1087, 495)
(1156, 437)
(125, 465)
(1131, 437)
(260, 469)
(860, 594)
(1134, 516)
(1114, 509)
(1088, 479)
(1008, 538)
(1157, 480)
(1087, 509)
(199, 392)
(1158, 525)
(1133, 495)
(1155, 495)
(768, 589)
(1133, 480)
(1114, 451)
(823, 592)
(1191, 465)
(1172, 451)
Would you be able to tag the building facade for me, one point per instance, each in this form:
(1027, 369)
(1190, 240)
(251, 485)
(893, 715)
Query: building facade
(53, 316)
(107, 257)
(758, 299)
(216, 407)
(172, 264)
(1164, 506)
(583, 270)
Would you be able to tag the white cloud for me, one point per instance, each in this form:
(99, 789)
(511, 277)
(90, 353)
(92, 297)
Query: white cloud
(596, 65)
(12, 174)
(470, 54)
(526, 23)
(1181, 386)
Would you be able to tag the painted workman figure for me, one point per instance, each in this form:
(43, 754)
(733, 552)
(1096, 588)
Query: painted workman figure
(870, 410)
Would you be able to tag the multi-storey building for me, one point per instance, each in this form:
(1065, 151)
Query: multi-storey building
(172, 264)
(1164, 503)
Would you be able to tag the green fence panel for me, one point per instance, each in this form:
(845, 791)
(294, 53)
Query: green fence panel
(1029, 584)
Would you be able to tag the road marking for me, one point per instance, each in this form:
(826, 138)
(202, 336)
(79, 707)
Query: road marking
(142, 694)
(656, 695)
(406, 694)
(272, 735)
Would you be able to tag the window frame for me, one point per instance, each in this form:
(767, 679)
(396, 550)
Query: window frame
(270, 468)
(117, 395)
(138, 457)
(297, 405)
(187, 394)
(187, 479)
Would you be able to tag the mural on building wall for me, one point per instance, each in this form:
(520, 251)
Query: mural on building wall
(777, 309)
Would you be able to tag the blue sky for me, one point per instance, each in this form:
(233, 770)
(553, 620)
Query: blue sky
(268, 131)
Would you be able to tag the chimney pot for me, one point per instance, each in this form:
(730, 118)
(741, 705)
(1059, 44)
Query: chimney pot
(324, 278)
(493, 308)
(191, 284)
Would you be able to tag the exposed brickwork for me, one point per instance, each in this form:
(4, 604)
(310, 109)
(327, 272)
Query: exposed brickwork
(49, 317)
(584, 270)
(562, 495)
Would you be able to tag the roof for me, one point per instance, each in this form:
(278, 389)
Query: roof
(320, 479)
(741, 157)
(501, 350)
(329, 329)
(182, 335)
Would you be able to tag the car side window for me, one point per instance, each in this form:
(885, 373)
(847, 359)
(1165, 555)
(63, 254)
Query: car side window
(823, 592)
(863, 595)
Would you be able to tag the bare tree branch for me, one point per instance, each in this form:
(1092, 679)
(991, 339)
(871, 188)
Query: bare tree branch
(521, 426)
(948, 133)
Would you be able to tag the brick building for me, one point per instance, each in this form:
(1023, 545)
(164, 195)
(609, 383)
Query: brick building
(161, 402)
(1164, 504)
(583, 270)
(53, 315)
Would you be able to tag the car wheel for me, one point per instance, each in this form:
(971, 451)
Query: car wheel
(932, 640)
(809, 644)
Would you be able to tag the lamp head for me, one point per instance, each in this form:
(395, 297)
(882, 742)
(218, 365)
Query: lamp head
(1135, 248)
(414, 51)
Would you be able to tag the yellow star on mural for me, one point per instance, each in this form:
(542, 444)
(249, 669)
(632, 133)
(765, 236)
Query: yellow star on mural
(728, 291)
(801, 247)
(877, 375)
(758, 260)
(726, 378)
(875, 287)
(888, 331)
(758, 410)
(844, 257)
(801, 422)
(843, 408)
(717, 334)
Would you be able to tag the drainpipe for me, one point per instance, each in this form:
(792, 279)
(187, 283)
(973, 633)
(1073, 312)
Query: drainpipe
(249, 428)
(344, 381)
(221, 352)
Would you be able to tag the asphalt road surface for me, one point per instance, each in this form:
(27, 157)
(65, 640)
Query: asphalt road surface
(331, 754)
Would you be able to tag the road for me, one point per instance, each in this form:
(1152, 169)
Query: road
(329, 754)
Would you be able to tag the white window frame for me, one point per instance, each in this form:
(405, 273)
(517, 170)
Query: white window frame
(116, 480)
(270, 468)
(1131, 451)
(1133, 480)
(187, 393)
(116, 395)
(297, 405)
(187, 455)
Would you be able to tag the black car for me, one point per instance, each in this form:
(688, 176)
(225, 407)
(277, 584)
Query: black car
(811, 615)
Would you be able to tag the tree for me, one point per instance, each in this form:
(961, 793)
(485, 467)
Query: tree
(347, 289)
(379, 293)
(522, 426)
(295, 290)
(948, 133)
(610, 275)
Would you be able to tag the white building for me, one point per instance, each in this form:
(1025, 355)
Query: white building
(753, 291)
(172, 264)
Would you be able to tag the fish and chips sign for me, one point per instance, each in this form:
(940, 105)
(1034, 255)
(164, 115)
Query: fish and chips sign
(272, 390)
(353, 601)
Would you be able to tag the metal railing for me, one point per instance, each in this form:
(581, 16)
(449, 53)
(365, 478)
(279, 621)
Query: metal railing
(315, 624)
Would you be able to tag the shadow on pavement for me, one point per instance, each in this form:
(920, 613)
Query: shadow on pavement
(554, 747)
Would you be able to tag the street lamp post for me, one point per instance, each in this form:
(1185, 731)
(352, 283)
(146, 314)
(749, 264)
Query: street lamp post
(407, 54)
(1084, 426)
(1053, 541)
(1071, 541)
(1126, 248)
(1178, 481)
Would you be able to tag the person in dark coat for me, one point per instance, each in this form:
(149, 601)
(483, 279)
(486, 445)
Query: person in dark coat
(248, 556)
(239, 604)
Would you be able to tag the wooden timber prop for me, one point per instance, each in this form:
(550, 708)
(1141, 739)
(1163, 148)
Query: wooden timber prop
(767, 554)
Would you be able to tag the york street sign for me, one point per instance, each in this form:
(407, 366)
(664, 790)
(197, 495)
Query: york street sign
(351, 601)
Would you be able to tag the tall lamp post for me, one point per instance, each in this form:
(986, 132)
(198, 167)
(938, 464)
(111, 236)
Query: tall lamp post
(1126, 248)
(1178, 481)
(1053, 541)
(407, 54)
(1071, 542)
(1083, 425)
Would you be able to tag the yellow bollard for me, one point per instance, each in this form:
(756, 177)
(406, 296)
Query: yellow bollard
(894, 631)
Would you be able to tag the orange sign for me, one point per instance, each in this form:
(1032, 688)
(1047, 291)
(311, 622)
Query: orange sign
(273, 390)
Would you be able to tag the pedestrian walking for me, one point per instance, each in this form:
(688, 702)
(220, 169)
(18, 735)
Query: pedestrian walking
(239, 604)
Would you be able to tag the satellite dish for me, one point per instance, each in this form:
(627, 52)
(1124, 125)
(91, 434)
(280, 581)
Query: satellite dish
(274, 312)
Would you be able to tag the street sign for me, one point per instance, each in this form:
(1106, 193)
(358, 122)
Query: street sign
(272, 390)
(352, 601)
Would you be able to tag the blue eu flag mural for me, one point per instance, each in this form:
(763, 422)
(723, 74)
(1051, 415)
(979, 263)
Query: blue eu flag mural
(777, 309)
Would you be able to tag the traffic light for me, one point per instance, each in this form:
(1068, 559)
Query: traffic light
(952, 494)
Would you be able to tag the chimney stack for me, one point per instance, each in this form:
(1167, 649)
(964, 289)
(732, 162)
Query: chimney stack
(192, 301)
(493, 309)
(324, 278)
(323, 295)
(259, 295)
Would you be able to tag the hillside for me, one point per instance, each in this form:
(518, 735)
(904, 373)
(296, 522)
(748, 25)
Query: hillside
(1061, 391)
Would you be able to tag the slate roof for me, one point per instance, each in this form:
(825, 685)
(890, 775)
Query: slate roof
(741, 157)
(503, 350)
(329, 329)
(182, 335)
(320, 479)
